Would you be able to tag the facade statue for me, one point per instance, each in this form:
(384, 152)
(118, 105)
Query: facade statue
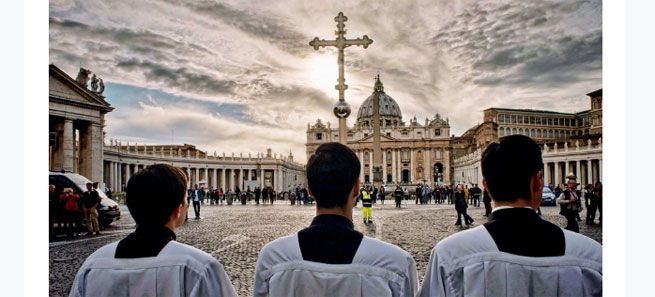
(94, 83)
(83, 77)
(102, 86)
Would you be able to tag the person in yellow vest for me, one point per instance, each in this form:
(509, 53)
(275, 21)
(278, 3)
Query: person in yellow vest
(367, 203)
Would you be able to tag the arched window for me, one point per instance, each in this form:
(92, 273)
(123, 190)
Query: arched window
(551, 134)
(513, 131)
(521, 131)
(501, 131)
(539, 133)
(388, 155)
(568, 134)
(365, 156)
(556, 134)
(532, 133)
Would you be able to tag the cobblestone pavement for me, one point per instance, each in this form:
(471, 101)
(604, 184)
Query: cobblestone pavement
(235, 234)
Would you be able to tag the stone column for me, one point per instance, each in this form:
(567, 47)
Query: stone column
(241, 179)
(589, 175)
(68, 144)
(557, 181)
(546, 174)
(600, 170)
(233, 180)
(128, 173)
(411, 166)
(215, 177)
(384, 167)
(426, 167)
(188, 173)
(393, 166)
(223, 179)
(361, 165)
(120, 177)
(577, 171)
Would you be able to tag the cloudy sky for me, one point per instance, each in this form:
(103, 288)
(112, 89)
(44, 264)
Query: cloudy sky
(239, 76)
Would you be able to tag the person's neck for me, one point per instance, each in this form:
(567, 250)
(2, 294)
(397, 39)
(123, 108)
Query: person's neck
(335, 211)
(171, 225)
(520, 202)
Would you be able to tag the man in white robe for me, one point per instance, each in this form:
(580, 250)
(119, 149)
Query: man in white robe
(330, 258)
(516, 253)
(149, 262)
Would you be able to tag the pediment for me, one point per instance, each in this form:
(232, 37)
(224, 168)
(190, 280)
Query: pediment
(383, 138)
(63, 87)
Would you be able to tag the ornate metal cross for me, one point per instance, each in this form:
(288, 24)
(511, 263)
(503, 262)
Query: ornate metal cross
(341, 109)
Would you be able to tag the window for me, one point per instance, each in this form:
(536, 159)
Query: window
(438, 154)
(521, 131)
(550, 134)
(520, 119)
(405, 155)
(336, 136)
(365, 156)
(419, 134)
(405, 134)
(556, 134)
(532, 133)
(388, 155)
(539, 133)
(550, 121)
(513, 131)
(501, 131)
(437, 132)
(501, 118)
(389, 134)
(539, 121)
(319, 136)
(513, 119)
(566, 122)
(568, 134)
(532, 120)
(556, 121)
(365, 134)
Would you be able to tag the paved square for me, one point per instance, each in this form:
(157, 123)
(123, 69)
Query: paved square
(235, 234)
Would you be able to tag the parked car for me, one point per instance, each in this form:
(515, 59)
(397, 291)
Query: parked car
(548, 197)
(108, 211)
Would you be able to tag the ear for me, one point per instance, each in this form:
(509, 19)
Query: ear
(538, 181)
(177, 212)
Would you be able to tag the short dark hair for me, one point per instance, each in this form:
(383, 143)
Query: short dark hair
(509, 166)
(332, 172)
(153, 193)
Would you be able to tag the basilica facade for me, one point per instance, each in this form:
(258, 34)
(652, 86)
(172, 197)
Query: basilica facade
(426, 152)
(413, 152)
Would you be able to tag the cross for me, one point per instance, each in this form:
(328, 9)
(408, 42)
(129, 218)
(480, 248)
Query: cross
(341, 43)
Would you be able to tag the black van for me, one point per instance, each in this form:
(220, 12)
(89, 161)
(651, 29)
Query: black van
(108, 211)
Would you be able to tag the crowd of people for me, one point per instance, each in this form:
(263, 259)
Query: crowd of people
(68, 211)
(331, 258)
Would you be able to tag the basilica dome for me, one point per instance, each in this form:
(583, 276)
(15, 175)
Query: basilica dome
(388, 106)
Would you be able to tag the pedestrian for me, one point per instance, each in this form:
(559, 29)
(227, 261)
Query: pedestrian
(248, 193)
(598, 192)
(149, 261)
(197, 196)
(381, 194)
(460, 207)
(367, 203)
(221, 195)
(90, 202)
(258, 193)
(406, 192)
(568, 201)
(374, 192)
(316, 260)
(264, 195)
(592, 204)
(53, 204)
(271, 195)
(71, 202)
(516, 253)
(418, 193)
(487, 203)
(398, 195)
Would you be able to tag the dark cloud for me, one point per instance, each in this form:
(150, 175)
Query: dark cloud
(266, 27)
(179, 78)
(525, 43)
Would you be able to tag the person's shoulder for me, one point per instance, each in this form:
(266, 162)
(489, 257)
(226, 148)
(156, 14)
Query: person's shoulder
(465, 242)
(383, 250)
(280, 246)
(178, 248)
(582, 246)
(107, 251)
